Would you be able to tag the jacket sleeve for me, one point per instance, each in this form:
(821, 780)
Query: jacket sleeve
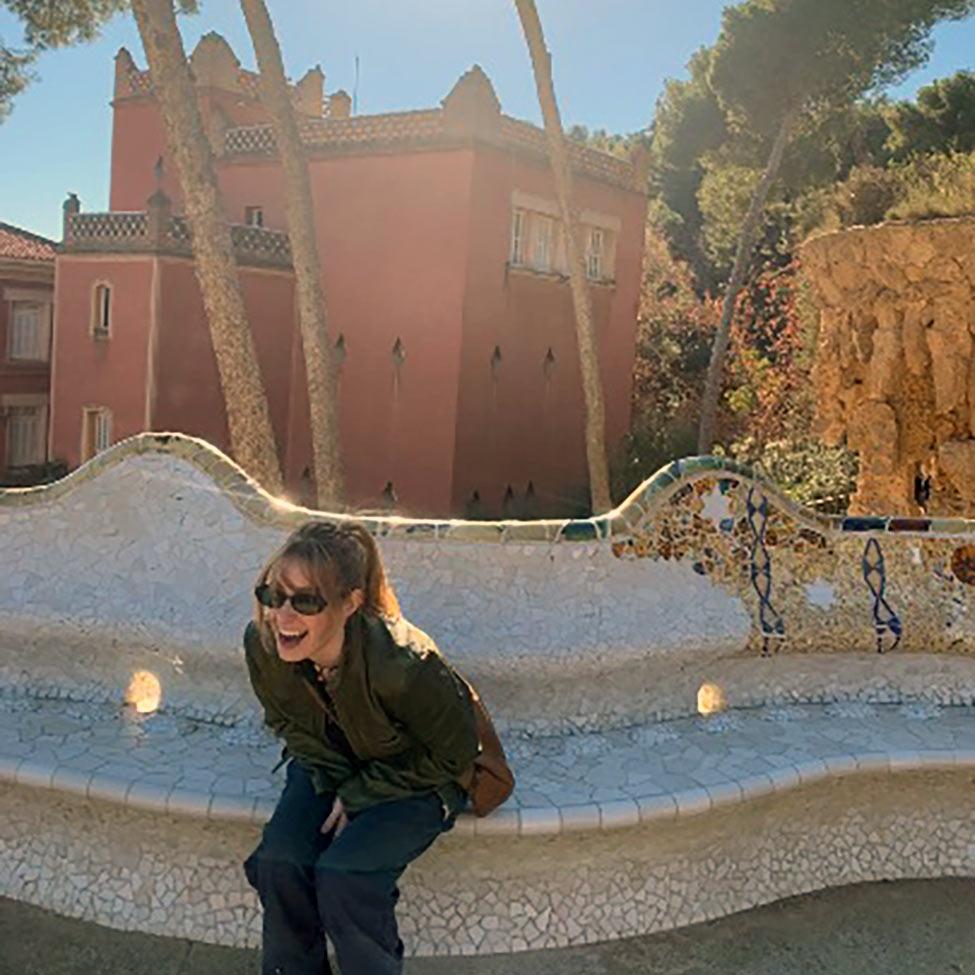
(274, 717)
(434, 709)
(329, 767)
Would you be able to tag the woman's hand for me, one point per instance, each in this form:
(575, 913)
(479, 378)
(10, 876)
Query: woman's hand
(336, 820)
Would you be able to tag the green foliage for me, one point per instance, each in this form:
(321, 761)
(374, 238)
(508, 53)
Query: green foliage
(674, 332)
(927, 187)
(15, 75)
(49, 24)
(614, 144)
(866, 196)
(807, 470)
(941, 119)
(688, 124)
(936, 186)
(776, 58)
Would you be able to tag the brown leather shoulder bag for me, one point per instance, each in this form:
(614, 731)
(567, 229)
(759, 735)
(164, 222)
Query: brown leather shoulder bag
(490, 780)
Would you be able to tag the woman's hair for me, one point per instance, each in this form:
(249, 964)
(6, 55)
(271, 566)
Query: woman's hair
(339, 556)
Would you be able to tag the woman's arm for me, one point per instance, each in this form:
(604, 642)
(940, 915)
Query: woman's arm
(435, 711)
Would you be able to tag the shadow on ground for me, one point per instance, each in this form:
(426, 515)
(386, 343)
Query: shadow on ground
(905, 928)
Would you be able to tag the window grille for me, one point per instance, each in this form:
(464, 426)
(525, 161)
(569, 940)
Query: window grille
(518, 223)
(594, 254)
(25, 435)
(28, 331)
(542, 254)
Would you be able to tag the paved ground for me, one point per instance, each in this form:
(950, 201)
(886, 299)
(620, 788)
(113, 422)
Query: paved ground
(907, 928)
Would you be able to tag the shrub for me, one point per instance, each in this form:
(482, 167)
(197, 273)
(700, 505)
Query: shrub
(866, 195)
(941, 185)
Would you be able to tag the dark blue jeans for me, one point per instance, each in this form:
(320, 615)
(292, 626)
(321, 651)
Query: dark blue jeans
(312, 885)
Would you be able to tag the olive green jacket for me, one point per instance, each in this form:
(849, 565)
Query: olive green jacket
(407, 717)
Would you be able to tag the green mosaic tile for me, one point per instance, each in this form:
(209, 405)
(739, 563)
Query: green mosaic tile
(579, 531)
(475, 531)
(952, 526)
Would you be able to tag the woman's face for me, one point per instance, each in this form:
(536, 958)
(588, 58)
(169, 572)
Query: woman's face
(318, 637)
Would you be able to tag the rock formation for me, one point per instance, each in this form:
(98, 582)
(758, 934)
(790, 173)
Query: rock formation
(894, 370)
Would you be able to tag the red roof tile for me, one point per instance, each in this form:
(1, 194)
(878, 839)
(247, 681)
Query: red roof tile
(22, 245)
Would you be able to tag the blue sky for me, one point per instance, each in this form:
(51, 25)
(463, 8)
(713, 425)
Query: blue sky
(610, 60)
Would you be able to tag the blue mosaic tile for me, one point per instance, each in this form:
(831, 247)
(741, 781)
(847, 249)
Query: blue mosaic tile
(727, 524)
(868, 523)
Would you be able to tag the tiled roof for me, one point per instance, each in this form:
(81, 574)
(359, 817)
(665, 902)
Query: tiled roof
(426, 126)
(22, 245)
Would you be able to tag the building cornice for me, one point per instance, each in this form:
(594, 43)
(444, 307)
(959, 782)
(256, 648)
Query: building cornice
(27, 270)
(424, 130)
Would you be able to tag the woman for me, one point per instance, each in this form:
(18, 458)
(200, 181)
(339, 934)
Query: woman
(378, 730)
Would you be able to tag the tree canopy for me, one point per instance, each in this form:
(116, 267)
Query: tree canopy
(48, 24)
(941, 119)
(776, 58)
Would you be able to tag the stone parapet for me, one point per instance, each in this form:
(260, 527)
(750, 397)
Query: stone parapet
(138, 233)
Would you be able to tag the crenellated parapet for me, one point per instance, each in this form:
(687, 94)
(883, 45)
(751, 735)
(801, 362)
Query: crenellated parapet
(469, 113)
(215, 67)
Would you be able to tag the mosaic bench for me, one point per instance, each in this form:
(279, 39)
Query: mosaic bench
(117, 817)
(596, 644)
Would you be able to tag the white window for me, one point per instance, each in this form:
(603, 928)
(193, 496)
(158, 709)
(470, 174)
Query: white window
(542, 244)
(254, 216)
(519, 225)
(29, 332)
(26, 435)
(101, 316)
(595, 246)
(97, 432)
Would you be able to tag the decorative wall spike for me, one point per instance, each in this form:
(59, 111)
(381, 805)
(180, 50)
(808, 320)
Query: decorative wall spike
(389, 498)
(496, 361)
(340, 351)
(472, 508)
(548, 366)
(399, 352)
(508, 502)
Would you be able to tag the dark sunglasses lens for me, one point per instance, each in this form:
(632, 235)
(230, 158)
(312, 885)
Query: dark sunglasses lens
(271, 598)
(308, 603)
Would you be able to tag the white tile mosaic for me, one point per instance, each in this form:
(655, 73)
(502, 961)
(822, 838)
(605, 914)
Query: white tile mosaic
(631, 813)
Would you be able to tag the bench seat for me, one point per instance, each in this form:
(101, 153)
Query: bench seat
(181, 766)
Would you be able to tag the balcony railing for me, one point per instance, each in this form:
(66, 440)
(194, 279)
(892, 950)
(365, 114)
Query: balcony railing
(137, 232)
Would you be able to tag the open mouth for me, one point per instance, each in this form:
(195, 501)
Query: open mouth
(291, 640)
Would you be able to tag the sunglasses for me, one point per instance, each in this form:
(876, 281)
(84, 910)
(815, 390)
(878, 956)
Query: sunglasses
(303, 603)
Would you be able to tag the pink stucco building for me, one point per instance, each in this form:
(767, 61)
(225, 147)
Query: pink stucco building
(445, 278)
(26, 298)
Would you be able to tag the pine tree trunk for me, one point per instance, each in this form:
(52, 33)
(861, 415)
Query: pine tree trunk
(585, 332)
(252, 440)
(746, 243)
(319, 360)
